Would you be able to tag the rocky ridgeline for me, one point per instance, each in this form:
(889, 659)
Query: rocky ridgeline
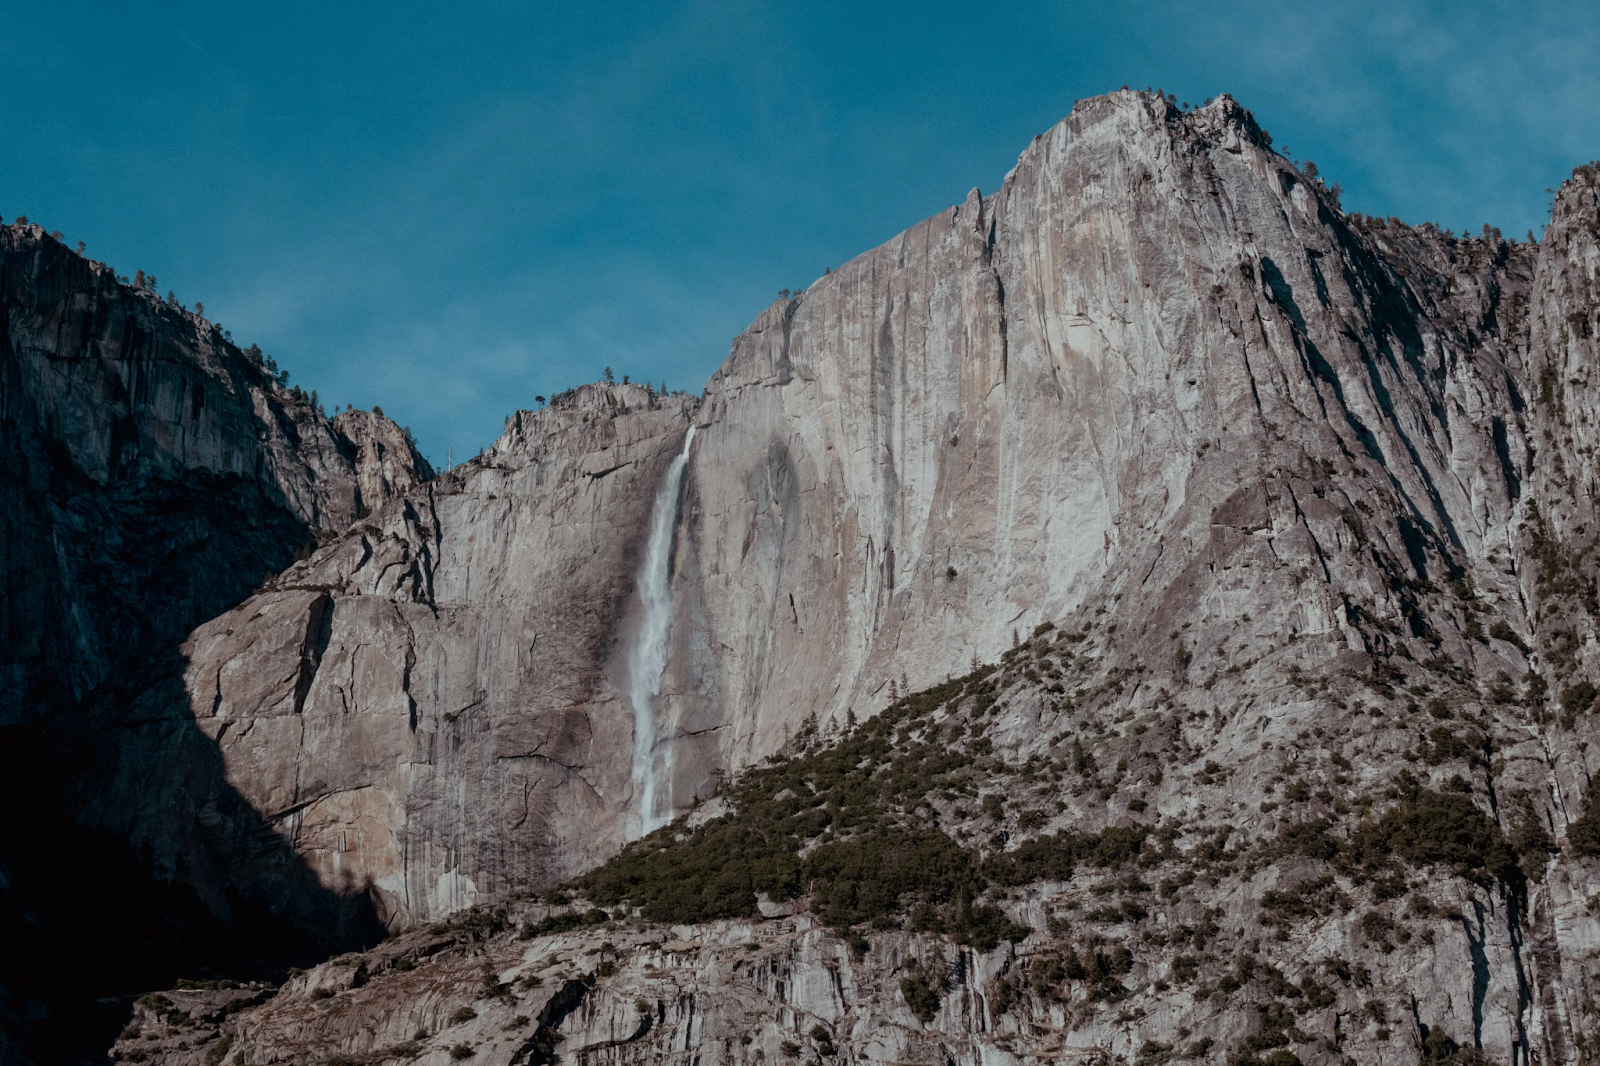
(154, 472)
(443, 673)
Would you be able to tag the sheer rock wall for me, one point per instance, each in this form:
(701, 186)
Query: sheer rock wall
(1319, 485)
(1086, 381)
(428, 708)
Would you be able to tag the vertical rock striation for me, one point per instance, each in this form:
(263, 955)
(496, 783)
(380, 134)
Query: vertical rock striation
(1018, 404)
(971, 429)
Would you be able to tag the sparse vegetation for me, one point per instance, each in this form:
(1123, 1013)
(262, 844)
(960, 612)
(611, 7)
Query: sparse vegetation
(1583, 834)
(839, 824)
(921, 994)
(561, 923)
(218, 1051)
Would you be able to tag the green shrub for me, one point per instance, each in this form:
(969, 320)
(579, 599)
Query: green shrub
(1377, 928)
(983, 927)
(1309, 899)
(1576, 699)
(1583, 835)
(216, 1052)
(1153, 1051)
(1447, 746)
(1501, 631)
(1318, 995)
(1437, 1047)
(562, 923)
(1530, 839)
(878, 865)
(1447, 828)
(921, 997)
(1100, 971)
(998, 994)
(859, 880)
(1045, 976)
(1311, 839)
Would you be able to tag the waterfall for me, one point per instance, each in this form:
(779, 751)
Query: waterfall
(648, 655)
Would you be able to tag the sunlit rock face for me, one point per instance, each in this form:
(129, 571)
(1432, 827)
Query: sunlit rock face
(433, 708)
(1282, 473)
(1065, 388)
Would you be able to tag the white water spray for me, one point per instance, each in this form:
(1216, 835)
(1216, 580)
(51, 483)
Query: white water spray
(648, 655)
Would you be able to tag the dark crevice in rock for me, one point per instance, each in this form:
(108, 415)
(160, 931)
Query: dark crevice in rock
(540, 1050)
(319, 630)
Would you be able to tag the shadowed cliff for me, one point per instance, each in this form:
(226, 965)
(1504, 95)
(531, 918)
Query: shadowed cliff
(151, 475)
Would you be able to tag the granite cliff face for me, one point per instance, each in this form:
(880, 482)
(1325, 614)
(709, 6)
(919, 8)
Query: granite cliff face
(421, 707)
(1016, 405)
(153, 474)
(1273, 524)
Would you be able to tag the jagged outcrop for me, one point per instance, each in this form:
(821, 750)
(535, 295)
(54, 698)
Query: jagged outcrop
(386, 460)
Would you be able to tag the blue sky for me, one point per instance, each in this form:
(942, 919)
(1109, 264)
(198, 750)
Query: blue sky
(447, 209)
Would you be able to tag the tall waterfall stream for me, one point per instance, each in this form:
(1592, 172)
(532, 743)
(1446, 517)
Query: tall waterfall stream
(652, 770)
